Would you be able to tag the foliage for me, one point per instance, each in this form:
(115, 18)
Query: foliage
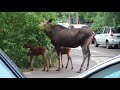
(83, 16)
(17, 28)
(63, 17)
(87, 16)
(52, 55)
(106, 19)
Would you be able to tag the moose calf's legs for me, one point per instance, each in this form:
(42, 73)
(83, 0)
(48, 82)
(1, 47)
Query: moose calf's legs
(45, 62)
(62, 61)
(69, 58)
(32, 62)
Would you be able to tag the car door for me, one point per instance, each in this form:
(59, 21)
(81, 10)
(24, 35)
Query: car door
(104, 35)
(98, 36)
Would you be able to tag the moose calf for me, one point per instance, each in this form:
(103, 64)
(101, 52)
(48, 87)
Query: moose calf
(36, 51)
(65, 50)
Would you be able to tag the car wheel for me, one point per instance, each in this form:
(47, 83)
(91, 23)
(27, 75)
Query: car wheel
(92, 42)
(117, 46)
(108, 46)
(95, 43)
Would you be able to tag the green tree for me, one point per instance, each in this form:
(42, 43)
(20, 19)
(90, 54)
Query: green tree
(87, 16)
(17, 28)
(106, 19)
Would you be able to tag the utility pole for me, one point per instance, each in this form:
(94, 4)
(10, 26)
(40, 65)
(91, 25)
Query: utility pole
(69, 18)
(77, 19)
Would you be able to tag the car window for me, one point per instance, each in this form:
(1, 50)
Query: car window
(106, 30)
(116, 30)
(101, 31)
(109, 72)
(5, 72)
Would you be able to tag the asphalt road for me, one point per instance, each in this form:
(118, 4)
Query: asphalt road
(98, 55)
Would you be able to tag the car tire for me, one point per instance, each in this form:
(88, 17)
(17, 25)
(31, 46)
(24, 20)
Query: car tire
(108, 46)
(92, 42)
(117, 46)
(95, 43)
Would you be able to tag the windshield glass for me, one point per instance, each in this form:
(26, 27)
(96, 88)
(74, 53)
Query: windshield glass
(5, 71)
(109, 72)
(116, 30)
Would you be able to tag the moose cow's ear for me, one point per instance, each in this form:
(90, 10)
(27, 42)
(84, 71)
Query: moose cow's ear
(50, 20)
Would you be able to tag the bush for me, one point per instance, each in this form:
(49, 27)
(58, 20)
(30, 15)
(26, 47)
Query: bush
(17, 28)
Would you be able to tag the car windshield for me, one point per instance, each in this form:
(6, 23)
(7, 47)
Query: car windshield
(5, 71)
(116, 30)
(109, 72)
(114, 75)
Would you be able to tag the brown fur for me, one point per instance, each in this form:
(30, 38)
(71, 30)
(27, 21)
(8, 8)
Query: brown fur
(65, 50)
(63, 37)
(36, 51)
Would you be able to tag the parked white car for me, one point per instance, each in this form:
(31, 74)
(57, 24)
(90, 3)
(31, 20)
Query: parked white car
(109, 36)
(64, 24)
(79, 26)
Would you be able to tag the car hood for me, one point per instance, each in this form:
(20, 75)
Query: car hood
(98, 67)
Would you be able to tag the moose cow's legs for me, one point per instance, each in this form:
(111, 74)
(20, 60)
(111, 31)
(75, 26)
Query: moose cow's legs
(88, 51)
(89, 55)
(58, 54)
(84, 50)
